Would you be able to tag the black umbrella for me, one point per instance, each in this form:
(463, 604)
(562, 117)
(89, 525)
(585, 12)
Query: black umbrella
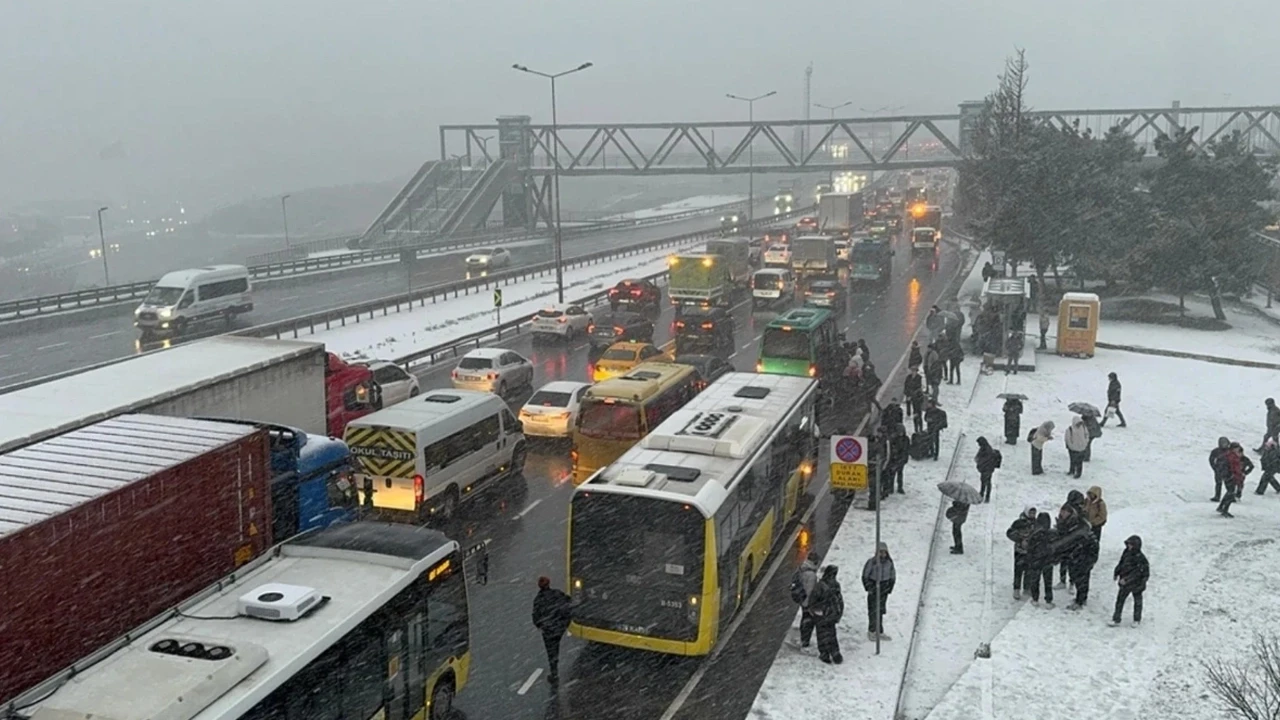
(1084, 408)
(1015, 396)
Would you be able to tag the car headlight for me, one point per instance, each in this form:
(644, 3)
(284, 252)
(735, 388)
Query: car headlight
(166, 313)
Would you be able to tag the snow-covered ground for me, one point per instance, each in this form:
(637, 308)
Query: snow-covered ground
(400, 334)
(1251, 337)
(694, 203)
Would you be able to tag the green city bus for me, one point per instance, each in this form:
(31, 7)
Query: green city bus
(798, 342)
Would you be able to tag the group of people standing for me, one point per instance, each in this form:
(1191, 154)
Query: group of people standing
(822, 602)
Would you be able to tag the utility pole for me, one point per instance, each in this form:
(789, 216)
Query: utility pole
(284, 210)
(751, 148)
(102, 245)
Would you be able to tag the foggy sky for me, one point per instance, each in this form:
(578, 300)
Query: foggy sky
(235, 98)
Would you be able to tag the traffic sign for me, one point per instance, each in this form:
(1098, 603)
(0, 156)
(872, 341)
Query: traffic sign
(497, 297)
(848, 462)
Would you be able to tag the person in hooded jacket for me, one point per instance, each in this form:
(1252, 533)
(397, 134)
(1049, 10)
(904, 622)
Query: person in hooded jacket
(913, 394)
(1238, 466)
(1077, 441)
(1273, 424)
(552, 611)
(892, 414)
(1095, 511)
(1018, 533)
(807, 575)
(1039, 438)
(1270, 463)
(865, 351)
(1012, 420)
(1132, 573)
(933, 370)
(1068, 515)
(1218, 461)
(1113, 400)
(878, 576)
(899, 453)
(954, 352)
(1040, 543)
(915, 358)
(1095, 431)
(827, 606)
(1080, 553)
(958, 513)
(987, 460)
(935, 421)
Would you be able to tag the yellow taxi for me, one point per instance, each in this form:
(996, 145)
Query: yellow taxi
(621, 357)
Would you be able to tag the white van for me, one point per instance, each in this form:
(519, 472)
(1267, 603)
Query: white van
(423, 456)
(771, 285)
(184, 297)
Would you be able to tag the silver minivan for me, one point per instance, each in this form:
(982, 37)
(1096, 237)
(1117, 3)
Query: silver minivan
(186, 297)
(772, 285)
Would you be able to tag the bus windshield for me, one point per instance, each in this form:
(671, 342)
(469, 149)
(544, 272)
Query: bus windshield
(609, 420)
(639, 561)
(163, 296)
(786, 344)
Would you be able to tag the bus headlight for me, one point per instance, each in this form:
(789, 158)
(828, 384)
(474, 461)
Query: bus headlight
(693, 600)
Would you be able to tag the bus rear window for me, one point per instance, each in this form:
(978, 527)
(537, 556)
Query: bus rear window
(786, 344)
(609, 421)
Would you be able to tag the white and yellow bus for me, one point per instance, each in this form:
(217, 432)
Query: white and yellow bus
(617, 412)
(352, 622)
(666, 543)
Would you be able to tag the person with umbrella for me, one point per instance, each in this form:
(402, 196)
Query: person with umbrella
(878, 576)
(1012, 416)
(962, 495)
(935, 421)
(988, 460)
(1039, 438)
(1077, 441)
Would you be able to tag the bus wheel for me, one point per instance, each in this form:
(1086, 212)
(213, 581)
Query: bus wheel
(442, 700)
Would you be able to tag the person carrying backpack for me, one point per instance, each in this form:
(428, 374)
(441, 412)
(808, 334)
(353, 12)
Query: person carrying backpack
(827, 605)
(802, 585)
(988, 461)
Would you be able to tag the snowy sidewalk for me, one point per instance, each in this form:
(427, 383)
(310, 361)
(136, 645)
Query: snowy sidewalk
(866, 686)
(1055, 663)
(403, 333)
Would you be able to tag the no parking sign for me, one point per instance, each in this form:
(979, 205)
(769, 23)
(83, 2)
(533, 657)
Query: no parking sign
(848, 462)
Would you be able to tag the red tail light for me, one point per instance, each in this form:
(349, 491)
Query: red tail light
(635, 292)
(563, 319)
(617, 330)
(707, 326)
(679, 324)
(419, 490)
(492, 376)
(591, 328)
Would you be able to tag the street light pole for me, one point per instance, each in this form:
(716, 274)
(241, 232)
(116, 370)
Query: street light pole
(284, 210)
(102, 246)
(555, 166)
(751, 148)
(484, 144)
(831, 174)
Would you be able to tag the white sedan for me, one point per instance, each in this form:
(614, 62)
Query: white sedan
(491, 259)
(493, 370)
(564, 321)
(396, 384)
(553, 409)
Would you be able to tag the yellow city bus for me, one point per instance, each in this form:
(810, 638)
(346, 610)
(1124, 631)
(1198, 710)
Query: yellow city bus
(666, 543)
(619, 411)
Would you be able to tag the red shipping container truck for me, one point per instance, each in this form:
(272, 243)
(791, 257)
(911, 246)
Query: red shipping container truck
(105, 527)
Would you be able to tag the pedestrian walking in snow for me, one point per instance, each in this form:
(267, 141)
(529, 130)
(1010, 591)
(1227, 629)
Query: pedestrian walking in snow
(1077, 441)
(915, 358)
(1095, 511)
(827, 606)
(913, 394)
(1270, 463)
(803, 582)
(1238, 466)
(935, 421)
(1039, 559)
(878, 576)
(1113, 401)
(987, 460)
(899, 453)
(1019, 532)
(933, 370)
(1038, 439)
(958, 513)
(1218, 461)
(988, 272)
(1012, 420)
(1044, 331)
(1132, 573)
(955, 356)
(1013, 352)
(1273, 423)
(552, 611)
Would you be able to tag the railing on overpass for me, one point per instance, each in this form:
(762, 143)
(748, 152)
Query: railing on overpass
(116, 294)
(839, 144)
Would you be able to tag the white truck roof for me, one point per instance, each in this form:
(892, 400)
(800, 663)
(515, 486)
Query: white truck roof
(65, 403)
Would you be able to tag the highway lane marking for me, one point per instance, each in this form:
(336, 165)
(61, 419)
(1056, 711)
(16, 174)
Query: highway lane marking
(104, 335)
(529, 683)
(5, 355)
(291, 297)
(529, 507)
(14, 375)
(763, 583)
(51, 347)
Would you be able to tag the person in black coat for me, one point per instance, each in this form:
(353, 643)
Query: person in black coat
(892, 414)
(915, 358)
(1270, 462)
(935, 421)
(1019, 531)
(1040, 556)
(958, 513)
(1218, 461)
(1113, 400)
(913, 394)
(955, 356)
(1012, 420)
(827, 607)
(1079, 550)
(987, 460)
(899, 451)
(552, 611)
(878, 573)
(1131, 574)
(1273, 424)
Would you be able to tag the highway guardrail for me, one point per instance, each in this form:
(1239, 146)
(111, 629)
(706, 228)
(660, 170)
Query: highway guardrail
(79, 299)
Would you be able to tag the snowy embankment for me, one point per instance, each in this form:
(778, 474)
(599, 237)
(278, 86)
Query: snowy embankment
(403, 333)
(1051, 663)
(680, 206)
(1251, 336)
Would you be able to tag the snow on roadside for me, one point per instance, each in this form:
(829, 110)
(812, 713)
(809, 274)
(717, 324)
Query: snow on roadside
(798, 685)
(693, 203)
(1157, 484)
(1250, 338)
(400, 334)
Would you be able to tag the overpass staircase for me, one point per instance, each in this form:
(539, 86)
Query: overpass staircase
(442, 198)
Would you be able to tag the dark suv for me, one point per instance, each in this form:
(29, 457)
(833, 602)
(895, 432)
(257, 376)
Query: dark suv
(635, 294)
(704, 330)
(620, 326)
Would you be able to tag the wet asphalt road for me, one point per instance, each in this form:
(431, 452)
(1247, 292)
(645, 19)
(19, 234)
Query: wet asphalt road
(525, 521)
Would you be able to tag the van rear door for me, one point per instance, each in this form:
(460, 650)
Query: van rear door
(388, 458)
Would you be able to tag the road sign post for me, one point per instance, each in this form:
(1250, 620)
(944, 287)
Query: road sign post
(848, 462)
(497, 308)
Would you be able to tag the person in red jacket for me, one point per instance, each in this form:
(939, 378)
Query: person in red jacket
(1237, 467)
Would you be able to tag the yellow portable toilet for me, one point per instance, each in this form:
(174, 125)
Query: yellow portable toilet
(1078, 324)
